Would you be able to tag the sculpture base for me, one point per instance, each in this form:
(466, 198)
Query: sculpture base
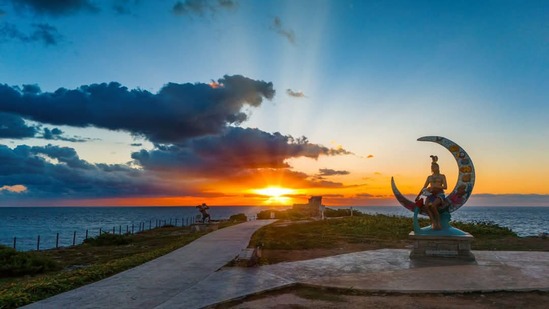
(204, 227)
(447, 247)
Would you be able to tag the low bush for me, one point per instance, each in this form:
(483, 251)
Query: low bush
(238, 218)
(14, 264)
(288, 214)
(341, 212)
(108, 239)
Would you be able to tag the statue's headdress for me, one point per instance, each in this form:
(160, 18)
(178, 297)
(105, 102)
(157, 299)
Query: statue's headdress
(434, 162)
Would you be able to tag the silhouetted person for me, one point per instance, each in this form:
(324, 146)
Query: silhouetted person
(204, 211)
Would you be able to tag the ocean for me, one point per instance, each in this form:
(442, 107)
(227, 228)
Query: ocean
(27, 223)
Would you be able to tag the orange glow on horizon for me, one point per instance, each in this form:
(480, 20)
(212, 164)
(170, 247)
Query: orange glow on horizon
(277, 195)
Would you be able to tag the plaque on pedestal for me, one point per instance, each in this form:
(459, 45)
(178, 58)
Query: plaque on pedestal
(430, 246)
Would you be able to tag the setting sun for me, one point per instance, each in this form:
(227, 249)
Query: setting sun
(274, 191)
(276, 195)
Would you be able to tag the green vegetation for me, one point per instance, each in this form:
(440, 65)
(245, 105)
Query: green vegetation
(238, 218)
(108, 239)
(89, 262)
(289, 214)
(341, 212)
(14, 264)
(329, 233)
(377, 231)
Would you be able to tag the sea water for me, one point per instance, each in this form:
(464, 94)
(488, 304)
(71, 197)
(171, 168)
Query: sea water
(27, 223)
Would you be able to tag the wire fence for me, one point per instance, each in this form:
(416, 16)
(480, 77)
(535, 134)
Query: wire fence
(73, 238)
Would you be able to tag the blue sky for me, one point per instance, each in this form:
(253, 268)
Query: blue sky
(363, 77)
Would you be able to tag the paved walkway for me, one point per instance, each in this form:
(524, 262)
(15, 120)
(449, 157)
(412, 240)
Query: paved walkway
(155, 282)
(190, 277)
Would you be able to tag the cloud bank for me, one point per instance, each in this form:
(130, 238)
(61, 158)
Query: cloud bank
(174, 114)
(193, 127)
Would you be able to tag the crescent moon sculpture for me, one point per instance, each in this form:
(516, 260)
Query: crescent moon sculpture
(458, 196)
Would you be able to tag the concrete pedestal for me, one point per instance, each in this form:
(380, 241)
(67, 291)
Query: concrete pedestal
(204, 227)
(449, 247)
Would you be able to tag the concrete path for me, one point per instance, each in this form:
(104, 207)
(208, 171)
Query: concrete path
(385, 270)
(157, 281)
(191, 277)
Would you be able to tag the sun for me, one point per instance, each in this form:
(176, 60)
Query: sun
(276, 194)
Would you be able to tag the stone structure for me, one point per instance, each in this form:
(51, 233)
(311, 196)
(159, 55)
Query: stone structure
(204, 227)
(312, 209)
(457, 247)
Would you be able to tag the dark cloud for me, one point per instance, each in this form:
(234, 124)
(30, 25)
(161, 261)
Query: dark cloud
(58, 172)
(13, 126)
(281, 30)
(136, 144)
(295, 94)
(370, 156)
(331, 172)
(58, 135)
(176, 113)
(124, 7)
(44, 33)
(236, 149)
(202, 7)
(55, 7)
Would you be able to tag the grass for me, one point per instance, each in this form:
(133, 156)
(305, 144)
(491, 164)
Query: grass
(86, 263)
(17, 264)
(380, 231)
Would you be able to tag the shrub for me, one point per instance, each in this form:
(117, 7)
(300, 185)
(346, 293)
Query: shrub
(238, 218)
(282, 214)
(108, 239)
(15, 264)
(328, 212)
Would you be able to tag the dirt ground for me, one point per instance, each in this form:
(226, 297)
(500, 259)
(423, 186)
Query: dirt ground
(304, 297)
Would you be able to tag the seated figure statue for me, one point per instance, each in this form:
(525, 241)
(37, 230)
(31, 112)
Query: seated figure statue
(433, 189)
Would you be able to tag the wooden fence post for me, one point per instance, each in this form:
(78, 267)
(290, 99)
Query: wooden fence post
(74, 238)
(38, 243)
(57, 241)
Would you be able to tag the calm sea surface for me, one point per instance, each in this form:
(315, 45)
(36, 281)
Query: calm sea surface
(26, 223)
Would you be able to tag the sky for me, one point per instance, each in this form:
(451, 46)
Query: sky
(240, 102)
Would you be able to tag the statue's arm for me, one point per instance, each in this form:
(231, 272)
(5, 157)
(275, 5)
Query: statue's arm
(444, 184)
(424, 186)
